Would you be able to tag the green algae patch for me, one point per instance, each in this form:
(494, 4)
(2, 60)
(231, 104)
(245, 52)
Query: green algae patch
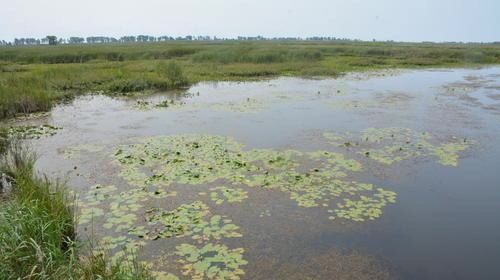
(32, 131)
(211, 261)
(392, 145)
(231, 195)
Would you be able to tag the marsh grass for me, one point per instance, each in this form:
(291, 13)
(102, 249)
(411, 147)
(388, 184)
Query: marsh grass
(33, 78)
(37, 230)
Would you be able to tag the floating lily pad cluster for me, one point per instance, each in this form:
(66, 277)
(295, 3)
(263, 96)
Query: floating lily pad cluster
(74, 152)
(242, 105)
(350, 105)
(248, 106)
(231, 195)
(365, 207)
(186, 220)
(170, 104)
(391, 145)
(33, 131)
(312, 179)
(211, 261)
(154, 165)
(119, 212)
(380, 100)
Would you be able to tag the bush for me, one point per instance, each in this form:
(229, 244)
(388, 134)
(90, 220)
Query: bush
(172, 72)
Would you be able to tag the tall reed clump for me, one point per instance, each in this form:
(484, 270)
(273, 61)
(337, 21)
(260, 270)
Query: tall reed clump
(173, 73)
(24, 94)
(37, 229)
(36, 224)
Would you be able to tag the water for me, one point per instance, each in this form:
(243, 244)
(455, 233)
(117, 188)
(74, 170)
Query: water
(444, 224)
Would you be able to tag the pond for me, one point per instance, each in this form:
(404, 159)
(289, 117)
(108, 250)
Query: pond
(376, 175)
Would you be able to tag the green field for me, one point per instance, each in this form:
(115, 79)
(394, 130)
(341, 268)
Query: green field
(33, 78)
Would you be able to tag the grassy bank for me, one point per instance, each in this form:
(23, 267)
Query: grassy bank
(33, 78)
(37, 230)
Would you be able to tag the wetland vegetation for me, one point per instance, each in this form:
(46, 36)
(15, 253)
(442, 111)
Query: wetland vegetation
(38, 237)
(228, 180)
(33, 78)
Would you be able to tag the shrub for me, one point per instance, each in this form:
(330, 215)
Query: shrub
(173, 72)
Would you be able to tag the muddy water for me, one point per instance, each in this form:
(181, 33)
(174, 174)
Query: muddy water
(443, 224)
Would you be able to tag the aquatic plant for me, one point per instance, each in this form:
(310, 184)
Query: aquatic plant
(230, 195)
(37, 230)
(200, 159)
(250, 105)
(448, 153)
(211, 261)
(33, 79)
(186, 159)
(167, 104)
(186, 220)
(365, 207)
(265, 213)
(391, 145)
(73, 152)
(153, 165)
(161, 275)
(32, 131)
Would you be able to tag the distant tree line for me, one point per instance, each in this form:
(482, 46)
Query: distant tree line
(53, 40)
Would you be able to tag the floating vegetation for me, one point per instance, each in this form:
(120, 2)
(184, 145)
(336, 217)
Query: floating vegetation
(393, 100)
(186, 220)
(365, 207)
(74, 152)
(119, 212)
(186, 159)
(350, 105)
(32, 131)
(161, 275)
(170, 104)
(248, 106)
(142, 105)
(391, 145)
(265, 213)
(152, 166)
(448, 153)
(201, 159)
(231, 195)
(211, 261)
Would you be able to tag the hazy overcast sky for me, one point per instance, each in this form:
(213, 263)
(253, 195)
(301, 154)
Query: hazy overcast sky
(402, 20)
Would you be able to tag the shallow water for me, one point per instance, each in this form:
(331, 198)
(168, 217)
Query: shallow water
(444, 222)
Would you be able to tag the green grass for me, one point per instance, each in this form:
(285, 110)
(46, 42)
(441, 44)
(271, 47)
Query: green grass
(33, 78)
(37, 230)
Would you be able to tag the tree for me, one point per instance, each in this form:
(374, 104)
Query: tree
(76, 40)
(52, 40)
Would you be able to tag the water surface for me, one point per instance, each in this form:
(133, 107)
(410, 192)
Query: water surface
(443, 225)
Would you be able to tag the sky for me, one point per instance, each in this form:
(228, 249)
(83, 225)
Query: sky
(399, 20)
